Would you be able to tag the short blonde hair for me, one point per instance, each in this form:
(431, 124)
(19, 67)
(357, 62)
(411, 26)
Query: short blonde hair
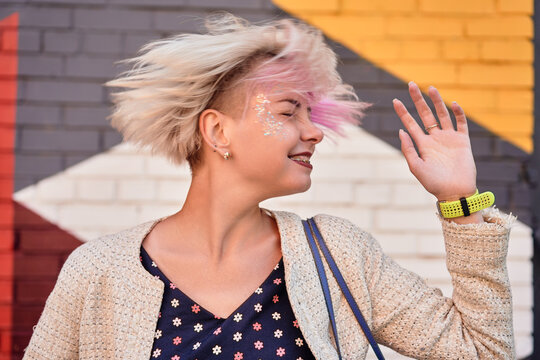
(173, 80)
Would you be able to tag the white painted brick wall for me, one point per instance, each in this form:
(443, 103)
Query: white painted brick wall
(334, 168)
(404, 218)
(137, 189)
(412, 195)
(172, 191)
(56, 189)
(85, 216)
(524, 346)
(367, 194)
(95, 190)
(150, 212)
(157, 167)
(332, 192)
(522, 296)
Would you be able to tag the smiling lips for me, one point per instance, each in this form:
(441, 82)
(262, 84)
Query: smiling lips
(302, 159)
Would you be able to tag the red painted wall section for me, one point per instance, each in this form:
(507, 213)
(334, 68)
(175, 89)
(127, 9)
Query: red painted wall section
(32, 250)
(41, 250)
(8, 94)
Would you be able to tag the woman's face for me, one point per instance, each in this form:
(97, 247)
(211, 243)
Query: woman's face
(272, 145)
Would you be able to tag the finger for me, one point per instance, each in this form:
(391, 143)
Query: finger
(408, 150)
(421, 106)
(408, 121)
(461, 120)
(440, 107)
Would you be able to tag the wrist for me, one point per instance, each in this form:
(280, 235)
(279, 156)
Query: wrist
(456, 196)
(474, 218)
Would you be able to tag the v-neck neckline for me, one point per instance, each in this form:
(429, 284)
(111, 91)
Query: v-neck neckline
(279, 265)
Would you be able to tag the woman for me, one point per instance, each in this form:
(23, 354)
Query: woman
(246, 106)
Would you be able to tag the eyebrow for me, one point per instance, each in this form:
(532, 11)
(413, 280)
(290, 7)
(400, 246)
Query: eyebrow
(295, 103)
(292, 101)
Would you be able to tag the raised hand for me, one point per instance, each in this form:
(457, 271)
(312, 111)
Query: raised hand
(445, 164)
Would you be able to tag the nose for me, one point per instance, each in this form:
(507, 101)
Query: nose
(311, 132)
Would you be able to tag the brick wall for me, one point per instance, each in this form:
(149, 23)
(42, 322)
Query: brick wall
(478, 53)
(72, 183)
(40, 251)
(8, 88)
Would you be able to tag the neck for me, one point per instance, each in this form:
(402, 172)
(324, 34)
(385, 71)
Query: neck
(221, 220)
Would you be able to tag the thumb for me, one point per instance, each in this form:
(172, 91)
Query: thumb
(408, 150)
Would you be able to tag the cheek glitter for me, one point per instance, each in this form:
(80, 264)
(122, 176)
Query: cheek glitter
(271, 126)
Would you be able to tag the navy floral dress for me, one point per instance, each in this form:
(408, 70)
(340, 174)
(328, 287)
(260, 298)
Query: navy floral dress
(263, 327)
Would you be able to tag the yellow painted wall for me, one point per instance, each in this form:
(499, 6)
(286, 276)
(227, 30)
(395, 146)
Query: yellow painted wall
(476, 52)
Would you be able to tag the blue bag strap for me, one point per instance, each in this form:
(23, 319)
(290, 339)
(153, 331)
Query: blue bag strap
(345, 289)
(324, 282)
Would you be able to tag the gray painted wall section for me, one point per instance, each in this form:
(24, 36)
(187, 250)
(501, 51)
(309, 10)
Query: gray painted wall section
(68, 50)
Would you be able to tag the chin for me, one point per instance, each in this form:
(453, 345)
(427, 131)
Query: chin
(306, 187)
(300, 187)
(289, 187)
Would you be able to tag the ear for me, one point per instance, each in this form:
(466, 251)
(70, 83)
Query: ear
(212, 125)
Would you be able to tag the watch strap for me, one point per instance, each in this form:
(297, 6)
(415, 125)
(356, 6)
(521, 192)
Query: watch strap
(466, 206)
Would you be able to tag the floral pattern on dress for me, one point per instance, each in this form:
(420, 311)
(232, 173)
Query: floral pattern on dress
(263, 327)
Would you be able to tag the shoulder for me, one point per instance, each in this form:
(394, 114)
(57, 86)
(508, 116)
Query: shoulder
(333, 228)
(325, 221)
(344, 233)
(288, 217)
(338, 224)
(99, 254)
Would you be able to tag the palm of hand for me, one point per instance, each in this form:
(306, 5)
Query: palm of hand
(445, 165)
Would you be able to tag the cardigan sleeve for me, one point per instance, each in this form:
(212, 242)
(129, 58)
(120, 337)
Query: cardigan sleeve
(418, 321)
(56, 335)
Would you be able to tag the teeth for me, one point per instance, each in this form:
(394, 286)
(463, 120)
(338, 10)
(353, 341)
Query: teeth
(301, 158)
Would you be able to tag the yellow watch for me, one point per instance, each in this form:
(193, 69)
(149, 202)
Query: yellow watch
(465, 206)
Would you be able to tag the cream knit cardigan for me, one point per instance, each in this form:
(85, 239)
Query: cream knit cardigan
(105, 305)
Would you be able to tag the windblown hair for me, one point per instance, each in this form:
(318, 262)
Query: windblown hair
(172, 81)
